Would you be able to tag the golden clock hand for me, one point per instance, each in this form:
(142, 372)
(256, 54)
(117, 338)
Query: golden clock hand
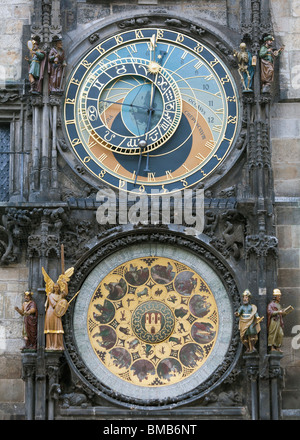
(153, 46)
(142, 145)
(122, 103)
(151, 110)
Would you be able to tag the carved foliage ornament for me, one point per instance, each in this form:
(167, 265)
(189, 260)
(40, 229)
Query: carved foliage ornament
(261, 245)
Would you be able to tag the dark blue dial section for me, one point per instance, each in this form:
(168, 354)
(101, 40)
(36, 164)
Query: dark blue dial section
(162, 158)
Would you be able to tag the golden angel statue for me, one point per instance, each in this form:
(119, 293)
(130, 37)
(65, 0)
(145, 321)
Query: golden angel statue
(56, 306)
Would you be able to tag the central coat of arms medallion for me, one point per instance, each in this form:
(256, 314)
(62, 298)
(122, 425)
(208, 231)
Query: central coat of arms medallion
(153, 322)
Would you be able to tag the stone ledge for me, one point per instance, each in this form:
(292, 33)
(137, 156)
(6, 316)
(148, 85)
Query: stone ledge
(191, 412)
(292, 414)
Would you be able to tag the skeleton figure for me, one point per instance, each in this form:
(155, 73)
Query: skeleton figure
(246, 63)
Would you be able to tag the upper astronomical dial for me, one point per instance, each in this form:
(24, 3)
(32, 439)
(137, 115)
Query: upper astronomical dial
(151, 108)
(134, 89)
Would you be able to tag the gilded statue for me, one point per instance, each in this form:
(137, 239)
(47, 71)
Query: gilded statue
(249, 322)
(267, 59)
(56, 306)
(275, 314)
(29, 312)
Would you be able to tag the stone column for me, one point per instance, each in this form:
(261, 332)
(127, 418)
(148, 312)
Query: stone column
(36, 102)
(52, 367)
(252, 369)
(28, 375)
(55, 105)
(260, 243)
(275, 374)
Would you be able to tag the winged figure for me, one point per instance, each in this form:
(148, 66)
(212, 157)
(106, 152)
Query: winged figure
(62, 281)
(56, 293)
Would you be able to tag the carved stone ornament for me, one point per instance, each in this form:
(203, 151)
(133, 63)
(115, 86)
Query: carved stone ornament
(261, 245)
(134, 22)
(122, 394)
(230, 240)
(8, 95)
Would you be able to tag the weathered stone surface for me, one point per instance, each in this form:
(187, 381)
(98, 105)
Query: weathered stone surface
(11, 390)
(10, 366)
(286, 17)
(14, 16)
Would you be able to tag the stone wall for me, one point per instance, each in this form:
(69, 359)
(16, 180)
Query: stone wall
(216, 10)
(286, 24)
(13, 282)
(285, 134)
(14, 15)
(14, 278)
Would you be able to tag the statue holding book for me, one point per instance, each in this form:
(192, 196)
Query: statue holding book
(275, 314)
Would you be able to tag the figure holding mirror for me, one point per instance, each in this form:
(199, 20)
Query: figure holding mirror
(36, 61)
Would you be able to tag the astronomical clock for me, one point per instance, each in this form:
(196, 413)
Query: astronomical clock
(151, 109)
(137, 155)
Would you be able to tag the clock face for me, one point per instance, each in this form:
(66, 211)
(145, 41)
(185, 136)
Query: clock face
(151, 109)
(150, 325)
(152, 321)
